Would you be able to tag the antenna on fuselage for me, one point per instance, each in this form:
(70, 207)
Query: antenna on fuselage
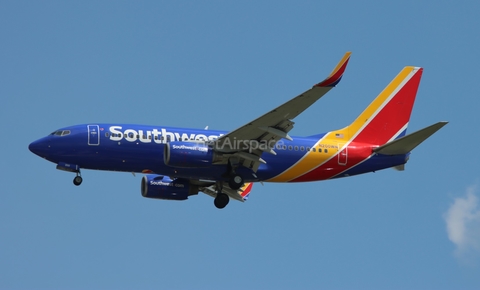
(206, 128)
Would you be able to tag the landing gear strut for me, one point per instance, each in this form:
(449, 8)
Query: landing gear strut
(78, 179)
(235, 181)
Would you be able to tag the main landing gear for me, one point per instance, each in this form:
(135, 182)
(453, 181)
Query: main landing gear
(78, 179)
(221, 200)
(235, 182)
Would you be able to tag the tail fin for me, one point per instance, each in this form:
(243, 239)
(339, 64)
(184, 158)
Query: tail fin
(387, 117)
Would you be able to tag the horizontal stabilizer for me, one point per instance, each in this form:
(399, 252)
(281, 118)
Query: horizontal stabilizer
(409, 142)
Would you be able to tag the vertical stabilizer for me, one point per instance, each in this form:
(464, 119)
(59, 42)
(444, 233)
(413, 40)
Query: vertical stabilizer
(387, 117)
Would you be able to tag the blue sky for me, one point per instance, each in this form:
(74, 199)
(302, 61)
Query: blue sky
(222, 64)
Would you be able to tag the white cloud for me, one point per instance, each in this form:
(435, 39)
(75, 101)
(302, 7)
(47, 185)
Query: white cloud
(463, 224)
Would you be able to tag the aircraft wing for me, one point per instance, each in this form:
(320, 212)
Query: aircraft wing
(243, 142)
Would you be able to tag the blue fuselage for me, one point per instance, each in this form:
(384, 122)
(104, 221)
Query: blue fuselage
(138, 148)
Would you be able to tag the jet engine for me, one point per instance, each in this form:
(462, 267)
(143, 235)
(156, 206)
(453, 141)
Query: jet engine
(188, 154)
(162, 187)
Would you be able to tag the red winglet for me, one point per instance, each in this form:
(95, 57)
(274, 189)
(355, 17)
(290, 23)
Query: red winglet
(246, 190)
(336, 75)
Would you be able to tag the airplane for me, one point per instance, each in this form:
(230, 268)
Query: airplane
(180, 162)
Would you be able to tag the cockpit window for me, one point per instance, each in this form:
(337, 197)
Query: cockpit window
(61, 133)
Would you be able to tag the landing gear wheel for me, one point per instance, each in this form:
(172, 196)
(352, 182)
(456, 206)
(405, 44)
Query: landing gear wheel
(221, 200)
(235, 182)
(77, 180)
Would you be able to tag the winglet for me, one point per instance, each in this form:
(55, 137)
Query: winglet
(246, 188)
(336, 75)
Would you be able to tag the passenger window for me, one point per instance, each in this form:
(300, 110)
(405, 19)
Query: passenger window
(290, 147)
(296, 148)
(313, 149)
(308, 148)
(107, 134)
(319, 150)
(326, 151)
(302, 148)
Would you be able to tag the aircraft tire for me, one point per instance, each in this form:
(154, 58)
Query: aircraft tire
(77, 180)
(235, 182)
(221, 200)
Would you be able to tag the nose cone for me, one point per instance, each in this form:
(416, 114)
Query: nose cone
(39, 147)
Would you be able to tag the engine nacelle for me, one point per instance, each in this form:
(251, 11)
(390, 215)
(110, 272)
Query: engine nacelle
(188, 154)
(162, 187)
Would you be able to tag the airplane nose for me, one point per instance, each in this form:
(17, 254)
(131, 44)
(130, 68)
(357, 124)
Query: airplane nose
(39, 147)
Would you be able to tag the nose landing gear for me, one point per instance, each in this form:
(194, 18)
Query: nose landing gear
(78, 179)
(70, 167)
